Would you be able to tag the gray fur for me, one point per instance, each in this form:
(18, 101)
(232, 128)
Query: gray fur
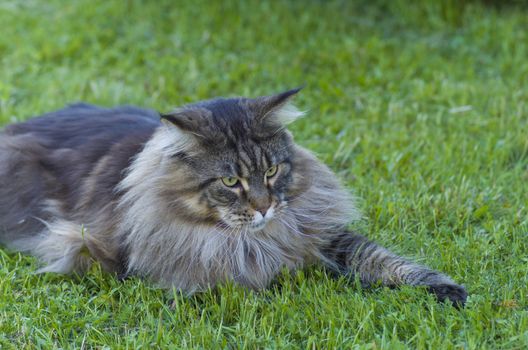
(146, 198)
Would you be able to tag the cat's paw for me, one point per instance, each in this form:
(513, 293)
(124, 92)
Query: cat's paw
(453, 292)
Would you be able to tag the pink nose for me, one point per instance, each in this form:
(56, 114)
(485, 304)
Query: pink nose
(262, 210)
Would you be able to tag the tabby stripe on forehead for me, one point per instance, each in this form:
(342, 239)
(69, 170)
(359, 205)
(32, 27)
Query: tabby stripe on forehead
(245, 160)
(269, 159)
(257, 153)
(243, 167)
(231, 136)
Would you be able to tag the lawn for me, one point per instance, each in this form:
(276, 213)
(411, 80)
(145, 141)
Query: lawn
(421, 109)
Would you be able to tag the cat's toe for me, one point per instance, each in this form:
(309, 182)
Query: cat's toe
(453, 292)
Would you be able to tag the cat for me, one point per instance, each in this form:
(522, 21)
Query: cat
(212, 192)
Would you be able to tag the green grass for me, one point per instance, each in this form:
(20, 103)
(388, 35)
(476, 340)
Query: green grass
(421, 109)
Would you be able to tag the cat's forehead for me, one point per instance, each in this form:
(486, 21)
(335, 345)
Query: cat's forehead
(232, 119)
(247, 156)
(232, 140)
(226, 109)
(231, 126)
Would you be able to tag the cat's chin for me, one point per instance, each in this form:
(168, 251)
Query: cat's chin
(256, 227)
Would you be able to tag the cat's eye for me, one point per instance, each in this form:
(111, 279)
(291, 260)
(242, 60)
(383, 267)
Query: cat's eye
(230, 181)
(272, 171)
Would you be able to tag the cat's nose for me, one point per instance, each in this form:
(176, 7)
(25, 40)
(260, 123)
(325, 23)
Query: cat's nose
(262, 210)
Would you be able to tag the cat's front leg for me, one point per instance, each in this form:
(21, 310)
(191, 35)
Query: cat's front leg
(353, 254)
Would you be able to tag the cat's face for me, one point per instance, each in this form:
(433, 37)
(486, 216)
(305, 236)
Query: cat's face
(246, 185)
(237, 161)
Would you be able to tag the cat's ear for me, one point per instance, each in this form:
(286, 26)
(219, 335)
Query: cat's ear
(276, 109)
(190, 120)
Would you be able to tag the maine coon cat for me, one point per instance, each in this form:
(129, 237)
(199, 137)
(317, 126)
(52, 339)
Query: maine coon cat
(213, 191)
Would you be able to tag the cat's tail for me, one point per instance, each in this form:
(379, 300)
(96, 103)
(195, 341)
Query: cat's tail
(63, 246)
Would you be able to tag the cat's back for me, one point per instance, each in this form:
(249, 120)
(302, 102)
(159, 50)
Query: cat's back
(81, 126)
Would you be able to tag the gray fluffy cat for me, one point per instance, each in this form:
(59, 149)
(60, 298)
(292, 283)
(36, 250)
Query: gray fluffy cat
(215, 191)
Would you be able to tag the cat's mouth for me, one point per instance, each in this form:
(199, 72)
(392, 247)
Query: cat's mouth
(238, 224)
(251, 227)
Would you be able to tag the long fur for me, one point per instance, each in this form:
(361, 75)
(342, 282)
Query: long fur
(192, 257)
(141, 197)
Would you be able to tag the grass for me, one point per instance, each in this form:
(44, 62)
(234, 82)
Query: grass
(422, 110)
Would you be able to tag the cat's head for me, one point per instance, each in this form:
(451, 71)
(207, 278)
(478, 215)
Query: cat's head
(228, 162)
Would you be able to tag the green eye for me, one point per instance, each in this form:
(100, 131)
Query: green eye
(230, 181)
(272, 171)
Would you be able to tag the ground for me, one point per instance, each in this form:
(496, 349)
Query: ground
(420, 108)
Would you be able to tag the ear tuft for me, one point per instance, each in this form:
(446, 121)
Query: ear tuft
(287, 114)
